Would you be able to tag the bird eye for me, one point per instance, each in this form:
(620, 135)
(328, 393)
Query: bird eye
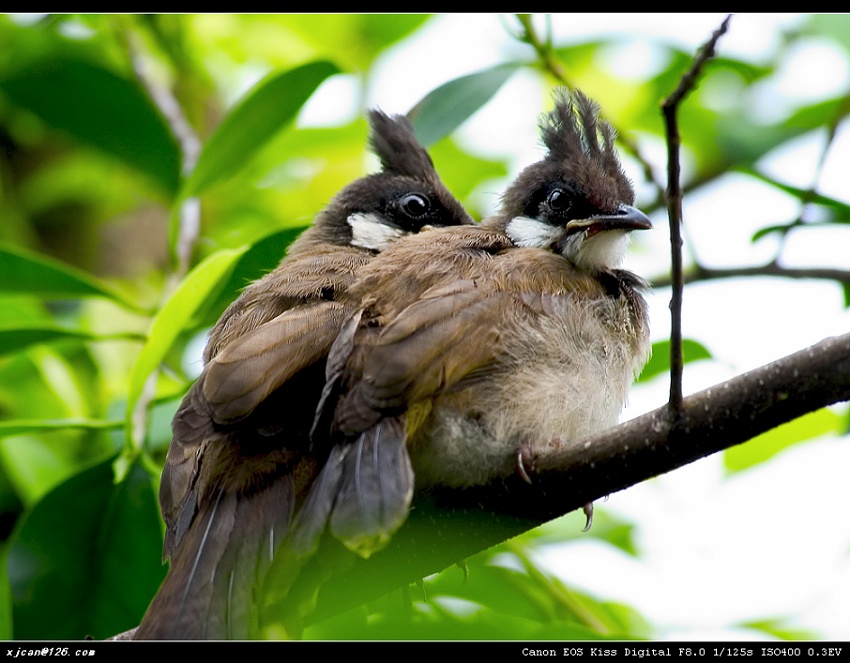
(558, 201)
(415, 205)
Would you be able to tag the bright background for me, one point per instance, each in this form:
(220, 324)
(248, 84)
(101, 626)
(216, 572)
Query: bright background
(750, 544)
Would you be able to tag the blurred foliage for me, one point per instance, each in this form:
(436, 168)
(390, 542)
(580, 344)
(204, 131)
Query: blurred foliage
(98, 339)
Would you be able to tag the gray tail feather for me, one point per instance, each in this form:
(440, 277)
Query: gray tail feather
(363, 491)
(374, 495)
(209, 591)
(363, 495)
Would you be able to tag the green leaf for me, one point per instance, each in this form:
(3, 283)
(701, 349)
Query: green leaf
(836, 26)
(86, 560)
(99, 108)
(770, 230)
(24, 272)
(782, 630)
(199, 285)
(443, 110)
(353, 40)
(272, 104)
(660, 360)
(5, 600)
(15, 338)
(767, 445)
(23, 426)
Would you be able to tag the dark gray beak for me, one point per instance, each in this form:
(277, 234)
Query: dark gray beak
(625, 218)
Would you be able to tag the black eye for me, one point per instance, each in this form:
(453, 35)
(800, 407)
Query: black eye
(415, 205)
(558, 201)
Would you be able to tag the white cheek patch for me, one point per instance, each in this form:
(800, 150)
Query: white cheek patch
(371, 231)
(530, 232)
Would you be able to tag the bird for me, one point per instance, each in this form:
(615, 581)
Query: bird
(240, 462)
(477, 349)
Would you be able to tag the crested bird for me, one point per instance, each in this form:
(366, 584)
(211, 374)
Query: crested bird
(477, 349)
(240, 461)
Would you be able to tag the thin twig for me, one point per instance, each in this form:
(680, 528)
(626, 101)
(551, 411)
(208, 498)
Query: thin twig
(670, 108)
(189, 210)
(189, 221)
(701, 273)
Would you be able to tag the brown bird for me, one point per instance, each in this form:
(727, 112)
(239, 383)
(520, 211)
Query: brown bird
(240, 461)
(477, 348)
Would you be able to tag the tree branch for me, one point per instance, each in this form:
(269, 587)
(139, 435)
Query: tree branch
(445, 526)
(700, 273)
(670, 108)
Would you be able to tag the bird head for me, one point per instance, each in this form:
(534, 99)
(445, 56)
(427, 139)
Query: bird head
(576, 201)
(404, 197)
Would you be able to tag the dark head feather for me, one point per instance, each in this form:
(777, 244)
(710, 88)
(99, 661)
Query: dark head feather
(394, 142)
(581, 155)
(405, 168)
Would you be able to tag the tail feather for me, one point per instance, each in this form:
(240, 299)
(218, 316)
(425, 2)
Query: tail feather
(180, 609)
(209, 591)
(376, 488)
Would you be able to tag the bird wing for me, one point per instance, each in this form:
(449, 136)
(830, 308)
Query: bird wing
(314, 274)
(423, 352)
(250, 368)
(230, 388)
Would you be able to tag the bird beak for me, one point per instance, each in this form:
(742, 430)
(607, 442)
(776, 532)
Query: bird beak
(625, 218)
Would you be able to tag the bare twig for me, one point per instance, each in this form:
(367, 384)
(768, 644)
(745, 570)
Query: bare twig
(188, 211)
(670, 108)
(700, 273)
(543, 48)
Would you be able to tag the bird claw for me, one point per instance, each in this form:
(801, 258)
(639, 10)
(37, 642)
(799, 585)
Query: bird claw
(588, 514)
(523, 456)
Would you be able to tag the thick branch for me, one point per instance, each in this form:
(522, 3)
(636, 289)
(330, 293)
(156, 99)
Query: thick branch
(446, 526)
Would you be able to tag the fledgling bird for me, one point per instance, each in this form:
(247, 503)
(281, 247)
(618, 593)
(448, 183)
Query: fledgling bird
(240, 461)
(478, 348)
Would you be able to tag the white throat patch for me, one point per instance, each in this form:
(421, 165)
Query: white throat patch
(533, 233)
(370, 231)
(601, 252)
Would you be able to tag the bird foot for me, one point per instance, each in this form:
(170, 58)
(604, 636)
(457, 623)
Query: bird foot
(525, 457)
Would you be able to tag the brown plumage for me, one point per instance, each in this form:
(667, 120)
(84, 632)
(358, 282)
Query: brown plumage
(477, 348)
(240, 462)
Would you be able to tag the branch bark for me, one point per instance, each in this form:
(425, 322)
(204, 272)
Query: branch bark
(670, 109)
(700, 273)
(448, 525)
